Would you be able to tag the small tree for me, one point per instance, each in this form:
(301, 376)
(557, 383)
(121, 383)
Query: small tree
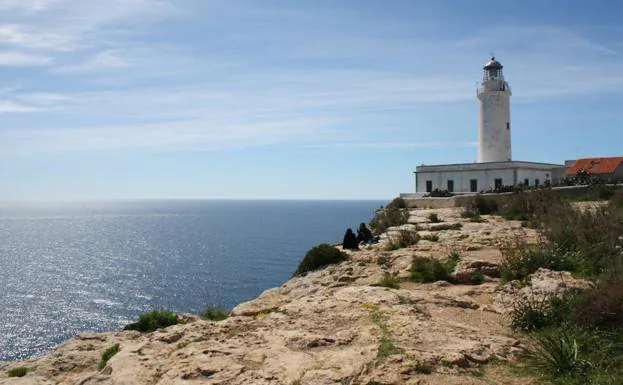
(319, 257)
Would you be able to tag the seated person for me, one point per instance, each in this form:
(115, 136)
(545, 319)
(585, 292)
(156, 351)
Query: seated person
(364, 234)
(350, 241)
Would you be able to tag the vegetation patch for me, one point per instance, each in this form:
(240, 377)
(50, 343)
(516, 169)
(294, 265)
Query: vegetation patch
(520, 259)
(395, 214)
(157, 319)
(320, 256)
(434, 218)
(426, 270)
(389, 281)
(107, 355)
(405, 238)
(431, 238)
(576, 338)
(386, 345)
(214, 314)
(20, 371)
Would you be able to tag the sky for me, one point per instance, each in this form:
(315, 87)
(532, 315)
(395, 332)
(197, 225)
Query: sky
(298, 99)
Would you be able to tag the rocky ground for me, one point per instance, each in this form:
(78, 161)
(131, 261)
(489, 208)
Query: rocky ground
(335, 326)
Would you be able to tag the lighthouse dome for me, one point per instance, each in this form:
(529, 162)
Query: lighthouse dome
(493, 64)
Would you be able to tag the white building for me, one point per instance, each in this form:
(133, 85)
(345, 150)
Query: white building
(495, 167)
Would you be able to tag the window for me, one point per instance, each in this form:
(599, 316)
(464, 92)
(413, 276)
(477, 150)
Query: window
(429, 186)
(451, 186)
(498, 183)
(473, 185)
(526, 182)
(536, 182)
(508, 126)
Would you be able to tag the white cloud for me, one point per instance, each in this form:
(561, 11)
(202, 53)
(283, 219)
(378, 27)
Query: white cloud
(220, 92)
(9, 107)
(21, 59)
(393, 145)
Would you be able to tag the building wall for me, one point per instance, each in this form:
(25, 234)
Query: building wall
(486, 178)
(494, 126)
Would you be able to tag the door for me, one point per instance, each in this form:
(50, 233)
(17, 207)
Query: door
(473, 185)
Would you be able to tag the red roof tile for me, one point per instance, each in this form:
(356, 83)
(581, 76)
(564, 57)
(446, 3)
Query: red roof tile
(596, 165)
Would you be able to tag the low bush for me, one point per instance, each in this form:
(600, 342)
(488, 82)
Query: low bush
(214, 314)
(602, 306)
(520, 259)
(320, 256)
(157, 319)
(433, 218)
(389, 281)
(536, 313)
(388, 217)
(557, 353)
(107, 355)
(425, 270)
(480, 205)
(20, 371)
(397, 203)
(405, 238)
(431, 238)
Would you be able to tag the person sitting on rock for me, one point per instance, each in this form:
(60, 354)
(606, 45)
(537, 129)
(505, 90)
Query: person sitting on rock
(350, 241)
(364, 234)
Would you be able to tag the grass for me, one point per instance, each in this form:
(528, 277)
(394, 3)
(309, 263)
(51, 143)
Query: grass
(423, 368)
(20, 371)
(319, 257)
(107, 355)
(431, 238)
(576, 338)
(426, 270)
(434, 218)
(389, 281)
(214, 314)
(391, 216)
(157, 319)
(386, 345)
(404, 239)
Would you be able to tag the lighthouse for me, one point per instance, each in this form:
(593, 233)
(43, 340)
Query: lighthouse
(494, 142)
(495, 170)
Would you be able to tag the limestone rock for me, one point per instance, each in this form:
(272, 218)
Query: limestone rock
(332, 326)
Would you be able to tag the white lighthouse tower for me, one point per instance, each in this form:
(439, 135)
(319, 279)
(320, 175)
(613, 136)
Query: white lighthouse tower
(495, 119)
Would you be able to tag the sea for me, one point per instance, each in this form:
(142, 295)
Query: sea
(68, 268)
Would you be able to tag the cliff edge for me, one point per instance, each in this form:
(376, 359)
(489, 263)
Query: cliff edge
(333, 326)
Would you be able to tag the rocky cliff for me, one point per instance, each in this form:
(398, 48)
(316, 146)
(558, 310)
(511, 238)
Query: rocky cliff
(333, 326)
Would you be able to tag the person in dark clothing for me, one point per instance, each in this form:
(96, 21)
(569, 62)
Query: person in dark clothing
(350, 241)
(364, 234)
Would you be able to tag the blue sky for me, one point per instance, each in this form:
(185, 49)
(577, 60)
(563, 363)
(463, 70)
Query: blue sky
(312, 99)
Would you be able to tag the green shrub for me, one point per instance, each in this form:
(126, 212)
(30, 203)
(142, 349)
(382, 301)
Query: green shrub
(424, 270)
(389, 281)
(557, 354)
(383, 260)
(480, 205)
(157, 319)
(388, 217)
(530, 314)
(431, 238)
(601, 306)
(453, 259)
(320, 256)
(520, 259)
(423, 368)
(405, 238)
(433, 218)
(107, 355)
(20, 371)
(214, 314)
(593, 235)
(397, 203)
